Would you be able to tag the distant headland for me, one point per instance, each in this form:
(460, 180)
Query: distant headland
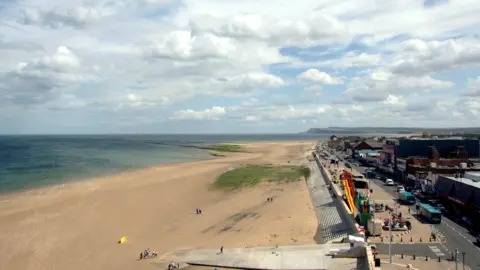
(390, 130)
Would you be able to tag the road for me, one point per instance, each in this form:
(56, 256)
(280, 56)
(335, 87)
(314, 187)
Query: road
(454, 236)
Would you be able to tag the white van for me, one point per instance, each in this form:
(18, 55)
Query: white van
(389, 182)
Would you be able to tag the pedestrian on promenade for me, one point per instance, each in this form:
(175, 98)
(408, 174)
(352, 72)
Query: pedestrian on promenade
(221, 250)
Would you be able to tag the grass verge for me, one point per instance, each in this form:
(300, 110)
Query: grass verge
(226, 148)
(251, 175)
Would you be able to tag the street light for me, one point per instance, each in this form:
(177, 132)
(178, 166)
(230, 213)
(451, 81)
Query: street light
(390, 239)
(456, 259)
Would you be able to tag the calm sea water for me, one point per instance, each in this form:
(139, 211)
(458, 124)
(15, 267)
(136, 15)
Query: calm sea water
(34, 161)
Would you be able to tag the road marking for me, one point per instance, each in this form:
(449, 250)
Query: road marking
(439, 235)
(436, 250)
(398, 264)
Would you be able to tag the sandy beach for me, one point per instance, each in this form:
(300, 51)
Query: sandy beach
(78, 225)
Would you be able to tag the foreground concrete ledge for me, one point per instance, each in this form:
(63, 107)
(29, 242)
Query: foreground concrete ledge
(283, 257)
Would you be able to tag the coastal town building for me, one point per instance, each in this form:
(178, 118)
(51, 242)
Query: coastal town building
(424, 172)
(461, 194)
(447, 148)
(414, 159)
(370, 145)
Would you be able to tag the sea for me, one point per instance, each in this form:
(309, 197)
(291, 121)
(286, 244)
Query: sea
(28, 162)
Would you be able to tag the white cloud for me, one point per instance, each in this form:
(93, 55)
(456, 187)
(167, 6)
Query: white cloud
(418, 57)
(348, 60)
(315, 75)
(473, 87)
(41, 78)
(247, 82)
(378, 85)
(77, 17)
(253, 118)
(181, 45)
(395, 101)
(215, 113)
(139, 59)
(283, 32)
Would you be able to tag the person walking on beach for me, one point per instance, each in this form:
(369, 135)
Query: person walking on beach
(221, 250)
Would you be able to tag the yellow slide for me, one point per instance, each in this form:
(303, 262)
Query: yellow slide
(350, 201)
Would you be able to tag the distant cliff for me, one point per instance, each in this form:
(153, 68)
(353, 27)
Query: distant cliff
(398, 130)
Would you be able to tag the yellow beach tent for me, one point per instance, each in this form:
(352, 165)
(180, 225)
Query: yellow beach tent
(123, 240)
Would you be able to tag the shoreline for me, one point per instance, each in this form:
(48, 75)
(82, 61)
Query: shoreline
(103, 179)
(73, 181)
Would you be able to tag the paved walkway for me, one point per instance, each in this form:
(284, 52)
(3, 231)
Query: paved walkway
(331, 225)
(419, 263)
(281, 257)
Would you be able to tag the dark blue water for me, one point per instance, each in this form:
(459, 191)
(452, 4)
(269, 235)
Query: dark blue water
(34, 161)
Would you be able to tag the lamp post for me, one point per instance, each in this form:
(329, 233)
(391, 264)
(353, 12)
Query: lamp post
(456, 259)
(390, 239)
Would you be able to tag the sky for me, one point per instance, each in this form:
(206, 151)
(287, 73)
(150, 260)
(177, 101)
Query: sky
(237, 66)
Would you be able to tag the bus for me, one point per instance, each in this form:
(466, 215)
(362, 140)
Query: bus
(431, 213)
(406, 197)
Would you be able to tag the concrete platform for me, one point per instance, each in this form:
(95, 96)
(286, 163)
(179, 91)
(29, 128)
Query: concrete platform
(282, 257)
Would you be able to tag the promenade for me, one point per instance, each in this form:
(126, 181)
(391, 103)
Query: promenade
(332, 220)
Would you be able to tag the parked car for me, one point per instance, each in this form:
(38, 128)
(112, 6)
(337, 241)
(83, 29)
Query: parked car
(389, 182)
(467, 221)
(400, 188)
(440, 207)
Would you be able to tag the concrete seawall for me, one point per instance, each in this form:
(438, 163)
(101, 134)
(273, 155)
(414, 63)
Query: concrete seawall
(342, 206)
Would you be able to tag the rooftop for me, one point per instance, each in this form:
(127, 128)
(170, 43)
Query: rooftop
(465, 181)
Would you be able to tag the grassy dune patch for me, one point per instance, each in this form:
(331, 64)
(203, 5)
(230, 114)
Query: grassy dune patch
(226, 148)
(251, 175)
